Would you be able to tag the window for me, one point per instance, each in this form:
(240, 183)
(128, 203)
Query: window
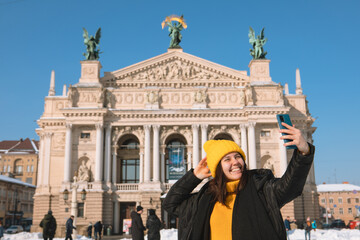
(349, 200)
(332, 211)
(130, 144)
(356, 200)
(350, 210)
(28, 168)
(19, 169)
(323, 200)
(341, 211)
(80, 210)
(32, 168)
(175, 160)
(85, 135)
(130, 170)
(29, 180)
(340, 200)
(331, 200)
(4, 169)
(265, 133)
(8, 168)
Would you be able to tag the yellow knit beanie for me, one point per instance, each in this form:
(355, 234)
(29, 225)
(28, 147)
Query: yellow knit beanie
(217, 149)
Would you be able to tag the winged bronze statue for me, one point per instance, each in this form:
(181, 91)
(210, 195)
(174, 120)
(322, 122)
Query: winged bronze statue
(258, 51)
(92, 43)
(175, 24)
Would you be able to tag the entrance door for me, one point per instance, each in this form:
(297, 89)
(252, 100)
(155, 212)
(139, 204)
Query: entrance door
(125, 210)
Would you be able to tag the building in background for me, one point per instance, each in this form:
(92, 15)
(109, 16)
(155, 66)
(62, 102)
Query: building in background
(16, 201)
(19, 159)
(110, 143)
(342, 201)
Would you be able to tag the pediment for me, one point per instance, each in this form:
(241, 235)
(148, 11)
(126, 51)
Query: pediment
(175, 66)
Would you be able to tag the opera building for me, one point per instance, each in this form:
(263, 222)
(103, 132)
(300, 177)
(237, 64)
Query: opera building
(123, 139)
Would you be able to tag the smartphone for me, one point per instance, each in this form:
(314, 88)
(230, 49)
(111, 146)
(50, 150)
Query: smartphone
(286, 119)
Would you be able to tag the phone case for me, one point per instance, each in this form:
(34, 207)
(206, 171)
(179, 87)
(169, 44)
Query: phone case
(285, 118)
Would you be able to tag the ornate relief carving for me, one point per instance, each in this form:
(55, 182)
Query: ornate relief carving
(118, 98)
(152, 97)
(280, 96)
(89, 71)
(59, 141)
(129, 98)
(233, 131)
(100, 97)
(59, 105)
(200, 96)
(185, 131)
(249, 95)
(242, 97)
(175, 98)
(110, 99)
(88, 97)
(186, 98)
(139, 98)
(118, 132)
(173, 70)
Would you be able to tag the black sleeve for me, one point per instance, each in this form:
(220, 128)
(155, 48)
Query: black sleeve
(180, 193)
(291, 184)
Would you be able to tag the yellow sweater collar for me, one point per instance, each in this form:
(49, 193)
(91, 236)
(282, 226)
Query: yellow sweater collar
(231, 186)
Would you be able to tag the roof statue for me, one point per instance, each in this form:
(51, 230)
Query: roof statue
(175, 24)
(91, 44)
(257, 52)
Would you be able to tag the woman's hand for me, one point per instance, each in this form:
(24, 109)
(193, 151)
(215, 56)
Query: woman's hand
(202, 171)
(297, 138)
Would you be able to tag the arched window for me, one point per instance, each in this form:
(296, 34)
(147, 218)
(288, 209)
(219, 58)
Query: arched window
(223, 136)
(128, 160)
(18, 166)
(176, 163)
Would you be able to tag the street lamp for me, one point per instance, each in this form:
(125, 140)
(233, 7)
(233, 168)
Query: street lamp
(83, 195)
(66, 195)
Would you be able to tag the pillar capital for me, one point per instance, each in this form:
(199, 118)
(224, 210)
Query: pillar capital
(68, 126)
(147, 127)
(195, 126)
(99, 126)
(251, 124)
(243, 125)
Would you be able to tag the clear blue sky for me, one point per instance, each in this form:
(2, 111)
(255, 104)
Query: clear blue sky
(318, 36)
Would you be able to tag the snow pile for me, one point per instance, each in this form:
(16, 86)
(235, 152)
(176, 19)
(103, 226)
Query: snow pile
(171, 234)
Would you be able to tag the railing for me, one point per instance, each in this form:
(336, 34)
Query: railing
(127, 187)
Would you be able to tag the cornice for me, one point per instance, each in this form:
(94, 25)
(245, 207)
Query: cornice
(84, 112)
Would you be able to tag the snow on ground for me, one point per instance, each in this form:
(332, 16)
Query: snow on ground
(171, 234)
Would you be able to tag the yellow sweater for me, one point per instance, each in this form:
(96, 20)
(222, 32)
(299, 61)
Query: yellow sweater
(221, 216)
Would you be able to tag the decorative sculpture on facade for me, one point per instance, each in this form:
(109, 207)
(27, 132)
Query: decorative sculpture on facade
(174, 29)
(100, 99)
(258, 51)
(249, 95)
(200, 96)
(83, 172)
(152, 97)
(91, 44)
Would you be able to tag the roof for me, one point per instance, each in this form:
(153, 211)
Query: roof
(15, 181)
(337, 188)
(27, 145)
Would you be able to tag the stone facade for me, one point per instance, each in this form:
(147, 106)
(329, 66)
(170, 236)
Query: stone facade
(138, 117)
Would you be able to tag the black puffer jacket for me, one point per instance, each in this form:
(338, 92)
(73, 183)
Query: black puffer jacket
(48, 224)
(153, 224)
(194, 210)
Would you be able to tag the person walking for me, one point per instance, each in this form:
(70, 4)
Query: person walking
(287, 223)
(48, 224)
(137, 226)
(69, 228)
(89, 230)
(1, 230)
(97, 230)
(153, 224)
(307, 228)
(238, 203)
(314, 225)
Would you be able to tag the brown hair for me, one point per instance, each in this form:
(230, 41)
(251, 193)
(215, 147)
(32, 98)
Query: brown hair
(217, 186)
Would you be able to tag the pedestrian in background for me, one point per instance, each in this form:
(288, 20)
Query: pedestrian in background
(1, 230)
(314, 225)
(89, 230)
(69, 227)
(307, 227)
(137, 226)
(97, 230)
(48, 224)
(287, 223)
(153, 224)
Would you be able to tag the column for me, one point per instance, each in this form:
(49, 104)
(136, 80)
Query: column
(203, 139)
(156, 155)
(68, 150)
(244, 139)
(116, 217)
(147, 154)
(141, 177)
(108, 153)
(195, 128)
(41, 160)
(283, 157)
(188, 160)
(46, 169)
(99, 152)
(252, 145)
(114, 164)
(163, 163)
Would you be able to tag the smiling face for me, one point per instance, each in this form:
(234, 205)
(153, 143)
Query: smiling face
(232, 165)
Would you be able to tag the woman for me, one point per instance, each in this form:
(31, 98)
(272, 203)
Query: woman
(237, 203)
(153, 224)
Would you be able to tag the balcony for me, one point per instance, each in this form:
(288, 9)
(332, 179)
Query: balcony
(127, 187)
